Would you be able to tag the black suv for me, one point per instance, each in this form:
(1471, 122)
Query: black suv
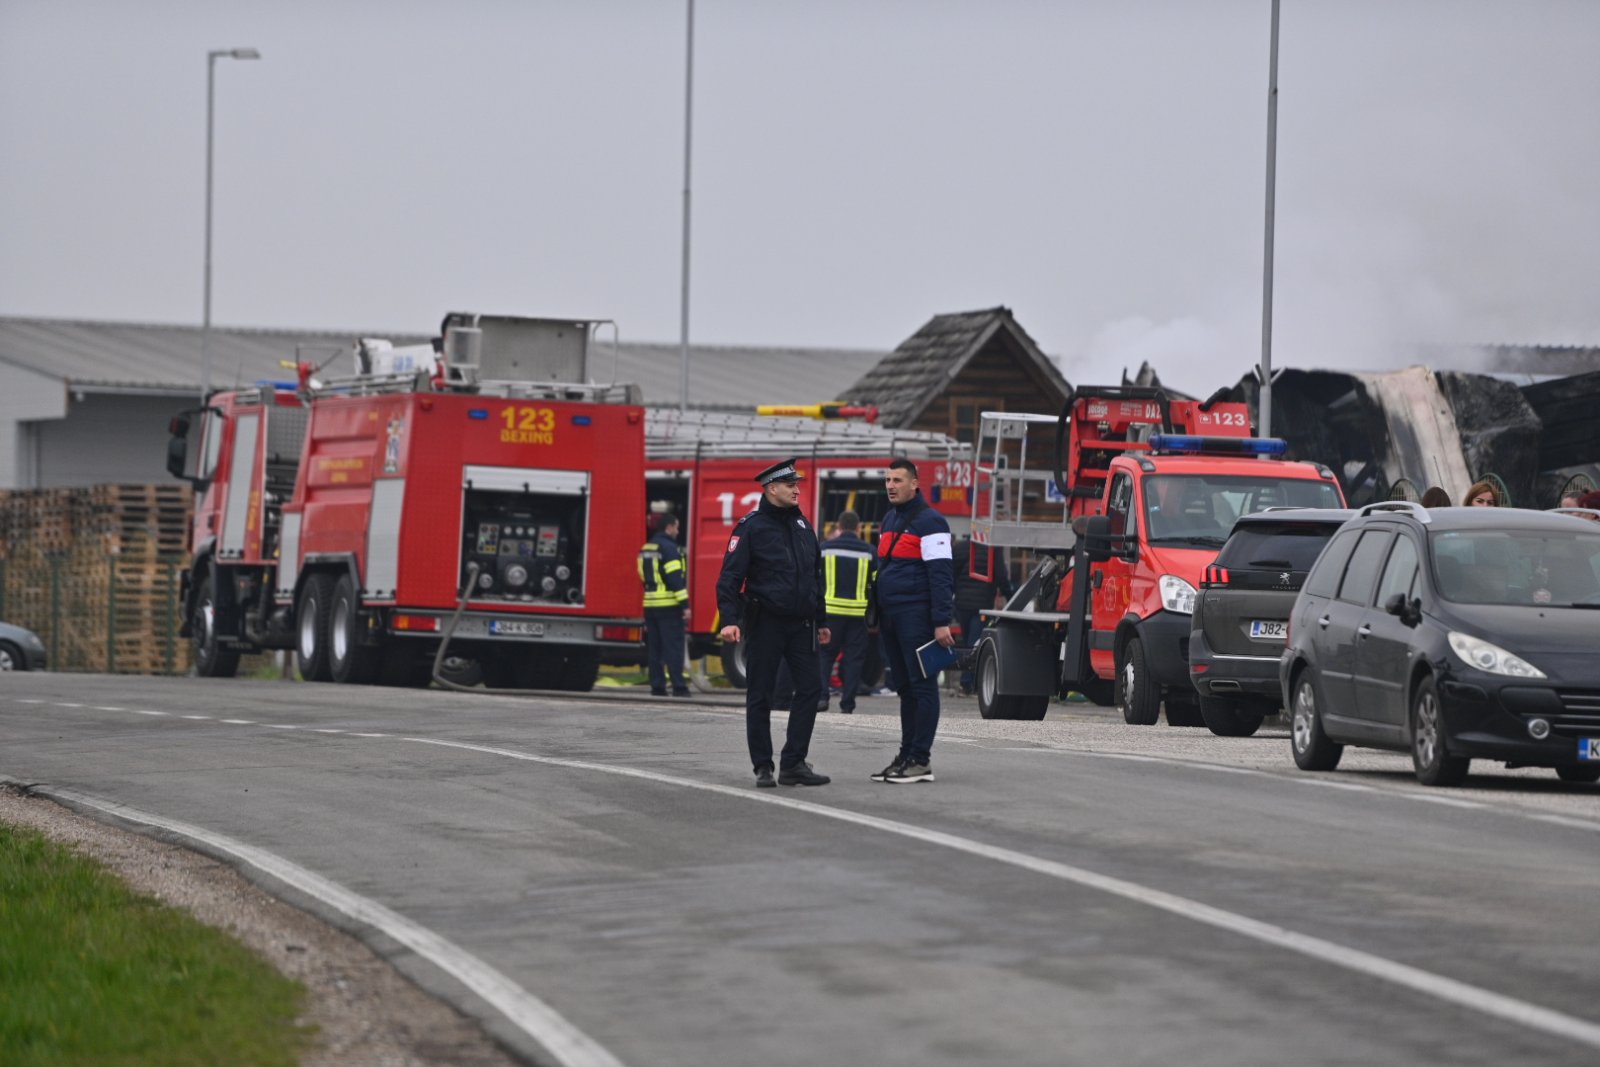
(1241, 615)
(1454, 633)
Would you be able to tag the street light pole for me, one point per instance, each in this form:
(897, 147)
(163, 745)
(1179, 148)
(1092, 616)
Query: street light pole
(688, 125)
(1264, 402)
(211, 96)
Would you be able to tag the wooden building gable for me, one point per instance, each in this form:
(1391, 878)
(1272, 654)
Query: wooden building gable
(958, 366)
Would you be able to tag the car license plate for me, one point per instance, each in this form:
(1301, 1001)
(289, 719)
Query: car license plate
(516, 628)
(1589, 748)
(1270, 629)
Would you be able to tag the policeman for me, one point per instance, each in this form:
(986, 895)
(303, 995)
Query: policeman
(666, 605)
(849, 566)
(769, 594)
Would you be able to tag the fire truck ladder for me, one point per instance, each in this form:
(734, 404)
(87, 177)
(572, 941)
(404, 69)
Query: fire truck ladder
(578, 392)
(673, 434)
(1015, 505)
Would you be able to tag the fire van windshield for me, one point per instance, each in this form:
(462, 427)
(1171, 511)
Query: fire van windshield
(1200, 509)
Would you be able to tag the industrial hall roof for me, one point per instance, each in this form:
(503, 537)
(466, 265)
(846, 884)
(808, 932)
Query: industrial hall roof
(120, 357)
(916, 373)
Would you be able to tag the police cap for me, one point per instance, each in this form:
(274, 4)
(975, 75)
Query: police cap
(779, 472)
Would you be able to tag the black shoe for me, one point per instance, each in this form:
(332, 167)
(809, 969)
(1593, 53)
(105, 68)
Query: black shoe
(658, 692)
(824, 707)
(764, 779)
(847, 711)
(892, 769)
(681, 693)
(801, 774)
(911, 772)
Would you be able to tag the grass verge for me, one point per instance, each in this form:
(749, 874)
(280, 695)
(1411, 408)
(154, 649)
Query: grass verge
(93, 974)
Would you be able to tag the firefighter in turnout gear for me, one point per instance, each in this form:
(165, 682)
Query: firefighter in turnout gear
(666, 605)
(770, 596)
(849, 567)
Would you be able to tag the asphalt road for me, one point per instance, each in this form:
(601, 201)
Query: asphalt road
(599, 883)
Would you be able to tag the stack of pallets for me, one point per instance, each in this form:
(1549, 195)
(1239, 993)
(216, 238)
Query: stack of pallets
(95, 572)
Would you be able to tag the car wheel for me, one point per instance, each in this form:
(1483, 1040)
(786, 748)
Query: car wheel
(211, 660)
(991, 703)
(1227, 718)
(1578, 774)
(1139, 696)
(349, 661)
(1313, 751)
(11, 657)
(311, 628)
(1433, 764)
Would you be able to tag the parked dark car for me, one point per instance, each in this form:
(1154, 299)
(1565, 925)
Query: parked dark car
(1241, 615)
(1456, 634)
(20, 650)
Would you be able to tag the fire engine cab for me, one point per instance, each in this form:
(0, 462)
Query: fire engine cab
(701, 466)
(355, 519)
(1143, 492)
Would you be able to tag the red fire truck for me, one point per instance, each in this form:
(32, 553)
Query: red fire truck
(1151, 488)
(349, 519)
(702, 465)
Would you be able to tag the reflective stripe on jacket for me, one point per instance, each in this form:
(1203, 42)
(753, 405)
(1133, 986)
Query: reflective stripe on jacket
(662, 572)
(848, 567)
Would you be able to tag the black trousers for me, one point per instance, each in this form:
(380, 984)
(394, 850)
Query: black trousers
(663, 645)
(847, 640)
(772, 640)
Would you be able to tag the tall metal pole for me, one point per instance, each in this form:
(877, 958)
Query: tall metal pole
(688, 128)
(1264, 408)
(205, 321)
(211, 96)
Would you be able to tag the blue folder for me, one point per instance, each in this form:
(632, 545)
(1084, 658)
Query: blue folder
(934, 657)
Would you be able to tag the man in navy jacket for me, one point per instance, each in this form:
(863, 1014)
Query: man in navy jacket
(915, 597)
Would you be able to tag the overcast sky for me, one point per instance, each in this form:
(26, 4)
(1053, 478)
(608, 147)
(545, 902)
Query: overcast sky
(859, 165)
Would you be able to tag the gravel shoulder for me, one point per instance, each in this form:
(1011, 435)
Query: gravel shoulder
(366, 1012)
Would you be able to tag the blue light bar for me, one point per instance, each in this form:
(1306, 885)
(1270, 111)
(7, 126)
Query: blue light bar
(1218, 446)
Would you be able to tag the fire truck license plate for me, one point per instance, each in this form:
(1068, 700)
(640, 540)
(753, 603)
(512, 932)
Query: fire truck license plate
(1276, 631)
(516, 628)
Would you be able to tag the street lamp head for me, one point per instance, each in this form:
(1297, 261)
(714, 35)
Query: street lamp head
(245, 53)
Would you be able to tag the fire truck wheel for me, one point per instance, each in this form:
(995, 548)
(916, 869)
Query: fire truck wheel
(311, 628)
(1183, 711)
(992, 704)
(1139, 696)
(349, 661)
(1229, 718)
(733, 663)
(580, 671)
(211, 660)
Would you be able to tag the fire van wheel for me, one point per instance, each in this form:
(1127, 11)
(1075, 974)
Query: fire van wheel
(311, 628)
(349, 661)
(211, 660)
(992, 704)
(1139, 696)
(733, 664)
(580, 671)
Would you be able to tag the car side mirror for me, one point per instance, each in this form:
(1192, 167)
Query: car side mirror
(1408, 611)
(178, 457)
(1095, 530)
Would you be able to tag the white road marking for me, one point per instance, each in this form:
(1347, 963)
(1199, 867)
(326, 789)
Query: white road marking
(238, 722)
(326, 730)
(29, 700)
(142, 711)
(564, 1041)
(279, 726)
(1473, 998)
(368, 735)
(104, 707)
(197, 716)
(61, 705)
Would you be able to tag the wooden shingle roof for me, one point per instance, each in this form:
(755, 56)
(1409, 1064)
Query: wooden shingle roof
(911, 377)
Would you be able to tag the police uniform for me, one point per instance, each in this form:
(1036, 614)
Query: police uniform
(666, 592)
(770, 588)
(849, 566)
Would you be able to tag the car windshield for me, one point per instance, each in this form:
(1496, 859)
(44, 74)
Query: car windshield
(1200, 509)
(1557, 568)
(1276, 546)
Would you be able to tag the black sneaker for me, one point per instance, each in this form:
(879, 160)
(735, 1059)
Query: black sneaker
(893, 768)
(851, 710)
(910, 772)
(681, 693)
(764, 779)
(823, 707)
(801, 774)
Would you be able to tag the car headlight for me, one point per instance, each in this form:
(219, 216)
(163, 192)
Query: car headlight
(1491, 659)
(1177, 594)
